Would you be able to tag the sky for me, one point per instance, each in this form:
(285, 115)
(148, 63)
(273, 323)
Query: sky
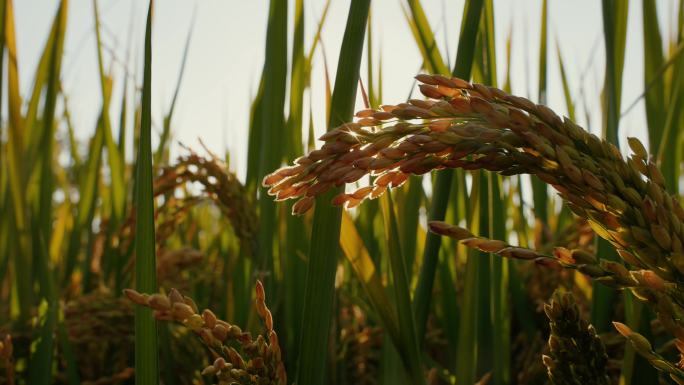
(227, 52)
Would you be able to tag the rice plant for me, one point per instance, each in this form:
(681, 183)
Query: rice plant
(465, 234)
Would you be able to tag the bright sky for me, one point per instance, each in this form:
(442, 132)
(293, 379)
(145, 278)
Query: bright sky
(227, 51)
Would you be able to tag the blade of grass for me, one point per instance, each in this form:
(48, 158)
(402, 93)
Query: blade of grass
(450, 265)
(402, 292)
(409, 213)
(15, 146)
(86, 207)
(368, 275)
(427, 44)
(464, 60)
(324, 250)
(509, 65)
(615, 30)
(317, 36)
(543, 48)
(76, 159)
(272, 133)
(662, 72)
(117, 183)
(41, 359)
(539, 189)
(615, 14)
(669, 152)
(497, 272)
(124, 95)
(467, 353)
(569, 104)
(448, 302)
(565, 215)
(146, 348)
(653, 82)
(475, 353)
(298, 84)
(48, 135)
(169, 376)
(635, 369)
(499, 277)
(391, 370)
(372, 95)
(369, 213)
(73, 378)
(254, 138)
(166, 132)
(294, 268)
(523, 306)
(33, 129)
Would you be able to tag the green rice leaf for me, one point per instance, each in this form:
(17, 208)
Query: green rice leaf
(324, 249)
(272, 127)
(118, 183)
(16, 173)
(540, 194)
(402, 293)
(464, 60)
(166, 131)
(146, 348)
(654, 83)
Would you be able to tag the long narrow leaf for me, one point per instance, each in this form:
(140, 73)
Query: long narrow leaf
(318, 300)
(41, 360)
(48, 136)
(402, 293)
(15, 138)
(539, 189)
(146, 349)
(272, 127)
(368, 275)
(113, 155)
(166, 131)
(464, 60)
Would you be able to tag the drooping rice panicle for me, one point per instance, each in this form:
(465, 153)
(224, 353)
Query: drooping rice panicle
(220, 185)
(258, 361)
(613, 274)
(644, 348)
(471, 126)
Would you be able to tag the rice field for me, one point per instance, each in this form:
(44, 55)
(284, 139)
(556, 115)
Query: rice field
(463, 235)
